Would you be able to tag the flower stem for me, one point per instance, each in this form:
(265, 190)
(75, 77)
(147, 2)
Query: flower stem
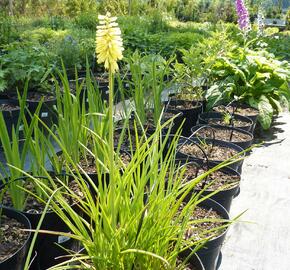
(111, 143)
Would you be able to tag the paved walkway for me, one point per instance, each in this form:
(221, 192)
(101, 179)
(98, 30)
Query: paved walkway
(263, 244)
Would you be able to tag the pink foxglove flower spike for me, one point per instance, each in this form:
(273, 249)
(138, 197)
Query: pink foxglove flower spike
(243, 16)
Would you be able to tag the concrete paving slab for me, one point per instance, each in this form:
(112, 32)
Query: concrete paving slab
(263, 243)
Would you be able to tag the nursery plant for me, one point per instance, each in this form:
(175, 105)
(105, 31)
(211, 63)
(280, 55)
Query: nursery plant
(150, 77)
(253, 77)
(133, 220)
(21, 150)
(142, 226)
(23, 61)
(18, 154)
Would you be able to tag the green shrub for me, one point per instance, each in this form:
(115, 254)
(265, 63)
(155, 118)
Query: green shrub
(87, 20)
(74, 48)
(255, 77)
(8, 31)
(22, 61)
(42, 35)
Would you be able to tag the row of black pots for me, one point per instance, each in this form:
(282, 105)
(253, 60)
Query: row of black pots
(211, 256)
(244, 144)
(206, 117)
(47, 112)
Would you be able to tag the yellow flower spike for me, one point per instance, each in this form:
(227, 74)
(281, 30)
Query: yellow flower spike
(109, 44)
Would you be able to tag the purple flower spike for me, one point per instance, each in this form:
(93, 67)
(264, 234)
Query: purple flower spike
(243, 16)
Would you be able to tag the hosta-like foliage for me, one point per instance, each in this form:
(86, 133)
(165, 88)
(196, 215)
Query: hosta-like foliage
(255, 77)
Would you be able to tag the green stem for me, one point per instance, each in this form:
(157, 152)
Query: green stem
(111, 142)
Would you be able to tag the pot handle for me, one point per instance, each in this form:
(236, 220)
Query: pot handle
(212, 132)
(195, 143)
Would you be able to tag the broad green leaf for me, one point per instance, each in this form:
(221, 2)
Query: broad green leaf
(284, 102)
(275, 104)
(265, 112)
(253, 102)
(213, 96)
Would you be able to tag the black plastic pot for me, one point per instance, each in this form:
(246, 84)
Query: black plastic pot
(47, 112)
(253, 117)
(17, 260)
(205, 117)
(223, 197)
(190, 115)
(242, 144)
(210, 254)
(177, 122)
(194, 261)
(203, 101)
(237, 166)
(48, 247)
(11, 116)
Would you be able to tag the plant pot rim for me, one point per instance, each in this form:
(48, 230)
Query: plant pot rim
(25, 177)
(219, 115)
(193, 129)
(222, 212)
(216, 143)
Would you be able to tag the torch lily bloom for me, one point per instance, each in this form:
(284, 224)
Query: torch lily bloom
(109, 44)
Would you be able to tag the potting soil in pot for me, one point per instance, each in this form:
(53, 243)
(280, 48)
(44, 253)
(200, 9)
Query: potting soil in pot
(213, 153)
(218, 178)
(185, 105)
(247, 111)
(12, 237)
(224, 135)
(235, 122)
(200, 230)
(8, 107)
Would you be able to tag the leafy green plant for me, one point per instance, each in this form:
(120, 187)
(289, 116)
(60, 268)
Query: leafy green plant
(18, 152)
(133, 229)
(227, 118)
(26, 61)
(255, 77)
(42, 35)
(7, 29)
(79, 109)
(150, 75)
